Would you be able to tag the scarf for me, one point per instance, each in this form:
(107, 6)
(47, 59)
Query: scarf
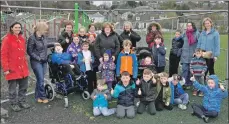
(190, 36)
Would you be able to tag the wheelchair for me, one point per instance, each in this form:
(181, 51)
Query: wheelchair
(63, 84)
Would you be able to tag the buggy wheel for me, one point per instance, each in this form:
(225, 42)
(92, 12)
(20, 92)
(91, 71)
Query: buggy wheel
(85, 94)
(49, 91)
(66, 102)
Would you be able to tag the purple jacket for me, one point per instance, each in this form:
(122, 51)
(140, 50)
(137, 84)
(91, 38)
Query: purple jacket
(108, 70)
(74, 50)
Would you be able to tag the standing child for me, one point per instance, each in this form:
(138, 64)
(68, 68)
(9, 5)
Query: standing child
(178, 96)
(198, 67)
(159, 52)
(127, 61)
(164, 93)
(175, 53)
(147, 91)
(125, 92)
(100, 97)
(213, 95)
(85, 61)
(74, 48)
(82, 34)
(107, 66)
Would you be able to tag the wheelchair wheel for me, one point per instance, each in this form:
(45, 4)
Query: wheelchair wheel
(49, 91)
(85, 94)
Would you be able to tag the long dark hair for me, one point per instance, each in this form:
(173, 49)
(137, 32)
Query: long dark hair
(12, 25)
(193, 26)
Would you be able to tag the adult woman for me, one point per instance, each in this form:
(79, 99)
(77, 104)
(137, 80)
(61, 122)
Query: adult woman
(209, 40)
(37, 50)
(190, 42)
(65, 38)
(91, 29)
(153, 30)
(15, 66)
(107, 40)
(129, 34)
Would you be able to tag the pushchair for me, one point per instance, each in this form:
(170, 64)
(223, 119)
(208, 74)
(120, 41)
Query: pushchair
(142, 53)
(63, 84)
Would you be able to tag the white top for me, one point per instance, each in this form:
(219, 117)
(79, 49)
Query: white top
(87, 58)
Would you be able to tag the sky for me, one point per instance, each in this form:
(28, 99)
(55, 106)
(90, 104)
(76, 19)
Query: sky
(97, 3)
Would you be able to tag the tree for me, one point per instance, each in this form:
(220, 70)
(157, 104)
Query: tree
(182, 7)
(132, 3)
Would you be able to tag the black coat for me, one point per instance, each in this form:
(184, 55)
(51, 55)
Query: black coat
(133, 37)
(103, 43)
(149, 91)
(62, 40)
(176, 46)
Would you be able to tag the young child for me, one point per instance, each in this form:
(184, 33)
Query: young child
(82, 34)
(147, 91)
(198, 67)
(164, 93)
(178, 96)
(74, 48)
(175, 53)
(127, 61)
(125, 92)
(148, 63)
(100, 97)
(158, 51)
(108, 69)
(64, 59)
(213, 95)
(91, 38)
(85, 61)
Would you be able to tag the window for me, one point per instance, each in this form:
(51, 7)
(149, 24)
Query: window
(137, 18)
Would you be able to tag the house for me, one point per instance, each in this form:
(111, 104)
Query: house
(142, 20)
(125, 15)
(97, 17)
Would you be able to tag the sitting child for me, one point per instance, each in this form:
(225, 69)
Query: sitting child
(107, 66)
(125, 92)
(100, 97)
(147, 91)
(198, 67)
(213, 95)
(164, 92)
(178, 96)
(74, 48)
(146, 63)
(64, 59)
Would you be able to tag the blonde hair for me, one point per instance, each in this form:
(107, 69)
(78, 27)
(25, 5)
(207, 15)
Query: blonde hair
(127, 42)
(101, 82)
(82, 28)
(127, 23)
(207, 19)
(163, 74)
(41, 27)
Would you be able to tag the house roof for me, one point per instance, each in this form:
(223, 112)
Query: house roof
(96, 15)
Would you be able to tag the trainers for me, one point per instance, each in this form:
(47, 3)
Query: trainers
(39, 100)
(194, 93)
(15, 107)
(45, 101)
(206, 119)
(183, 107)
(24, 105)
(180, 106)
(201, 94)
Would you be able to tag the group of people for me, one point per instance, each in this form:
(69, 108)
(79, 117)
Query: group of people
(113, 55)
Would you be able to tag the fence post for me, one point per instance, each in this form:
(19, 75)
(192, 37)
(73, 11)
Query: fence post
(76, 18)
(227, 68)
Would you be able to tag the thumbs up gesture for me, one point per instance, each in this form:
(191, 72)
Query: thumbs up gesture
(112, 91)
(193, 78)
(138, 82)
(139, 91)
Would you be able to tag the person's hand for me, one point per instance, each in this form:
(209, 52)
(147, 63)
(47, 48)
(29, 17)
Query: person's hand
(101, 60)
(74, 55)
(67, 40)
(105, 95)
(72, 66)
(192, 79)
(6, 72)
(138, 82)
(139, 92)
(91, 60)
(113, 58)
(221, 87)
(154, 80)
(167, 103)
(104, 67)
(192, 72)
(112, 91)
(70, 49)
(94, 97)
(158, 46)
(203, 73)
(215, 59)
(83, 60)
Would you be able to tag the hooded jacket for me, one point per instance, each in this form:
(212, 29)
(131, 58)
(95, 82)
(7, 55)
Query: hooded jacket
(62, 40)
(177, 44)
(212, 97)
(179, 88)
(74, 50)
(100, 100)
(149, 90)
(133, 37)
(159, 55)
(151, 34)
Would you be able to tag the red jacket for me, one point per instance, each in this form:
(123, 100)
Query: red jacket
(150, 38)
(13, 57)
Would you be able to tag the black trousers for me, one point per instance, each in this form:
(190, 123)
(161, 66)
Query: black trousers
(68, 70)
(160, 105)
(210, 64)
(142, 106)
(200, 111)
(160, 69)
(173, 64)
(91, 78)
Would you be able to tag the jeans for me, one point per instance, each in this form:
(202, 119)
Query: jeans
(200, 111)
(39, 70)
(123, 110)
(102, 110)
(186, 74)
(183, 99)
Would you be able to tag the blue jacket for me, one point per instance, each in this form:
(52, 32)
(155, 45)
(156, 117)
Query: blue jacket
(210, 42)
(81, 63)
(179, 88)
(212, 97)
(124, 94)
(159, 55)
(187, 51)
(61, 58)
(100, 100)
